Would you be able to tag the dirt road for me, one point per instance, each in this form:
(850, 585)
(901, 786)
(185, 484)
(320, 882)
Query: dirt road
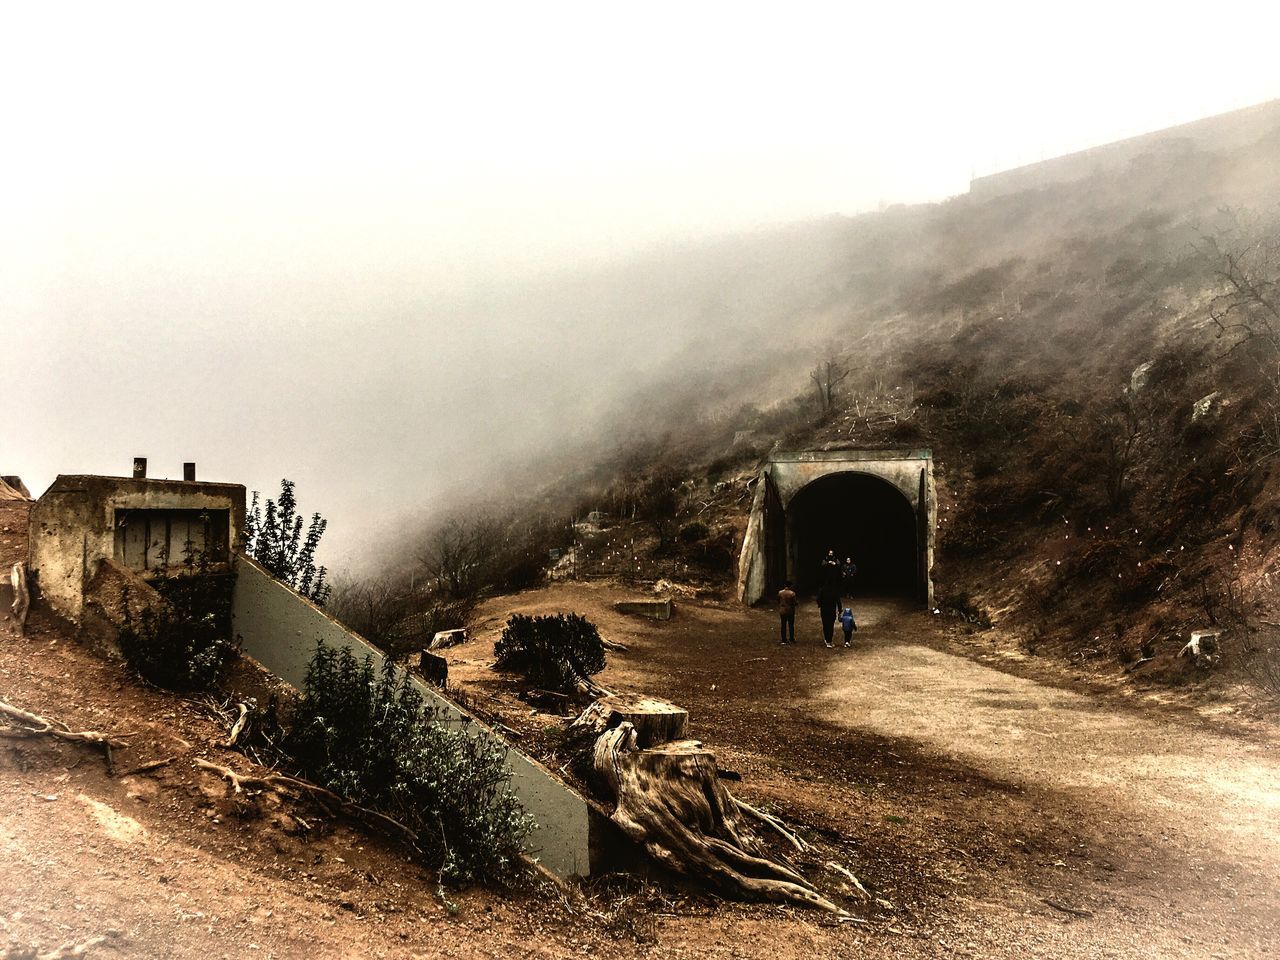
(995, 815)
(1217, 795)
(987, 806)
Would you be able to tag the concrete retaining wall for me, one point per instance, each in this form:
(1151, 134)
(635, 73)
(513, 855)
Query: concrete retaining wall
(280, 629)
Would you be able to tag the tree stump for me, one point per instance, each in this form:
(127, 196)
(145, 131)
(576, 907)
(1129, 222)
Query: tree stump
(654, 721)
(669, 799)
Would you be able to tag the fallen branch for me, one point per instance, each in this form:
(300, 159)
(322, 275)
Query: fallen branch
(1074, 911)
(238, 726)
(279, 783)
(774, 822)
(613, 645)
(36, 725)
(148, 767)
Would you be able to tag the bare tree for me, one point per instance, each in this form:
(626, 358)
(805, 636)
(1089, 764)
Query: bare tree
(1246, 313)
(826, 377)
(1119, 430)
(659, 503)
(372, 608)
(460, 555)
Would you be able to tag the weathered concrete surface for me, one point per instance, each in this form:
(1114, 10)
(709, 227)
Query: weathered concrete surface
(113, 597)
(280, 630)
(653, 609)
(786, 474)
(73, 526)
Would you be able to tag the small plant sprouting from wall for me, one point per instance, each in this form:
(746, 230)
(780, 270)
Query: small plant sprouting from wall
(371, 738)
(274, 537)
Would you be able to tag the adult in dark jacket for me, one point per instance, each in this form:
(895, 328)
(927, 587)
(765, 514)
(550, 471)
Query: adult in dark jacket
(848, 571)
(787, 613)
(829, 596)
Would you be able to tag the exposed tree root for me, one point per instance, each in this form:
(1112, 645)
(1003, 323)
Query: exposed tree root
(670, 801)
(848, 875)
(34, 725)
(238, 726)
(773, 822)
(279, 783)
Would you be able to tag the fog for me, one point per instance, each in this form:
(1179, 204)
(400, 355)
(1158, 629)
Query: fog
(394, 256)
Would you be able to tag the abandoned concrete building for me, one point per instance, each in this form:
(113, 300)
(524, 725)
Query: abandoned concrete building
(150, 527)
(96, 546)
(875, 506)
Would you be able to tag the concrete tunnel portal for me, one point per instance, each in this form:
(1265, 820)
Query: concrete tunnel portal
(876, 506)
(861, 517)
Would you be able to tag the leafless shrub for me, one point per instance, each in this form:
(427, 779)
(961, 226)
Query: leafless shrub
(828, 375)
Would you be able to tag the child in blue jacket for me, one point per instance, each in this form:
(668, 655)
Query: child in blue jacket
(847, 622)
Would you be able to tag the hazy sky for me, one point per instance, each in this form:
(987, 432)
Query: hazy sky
(264, 236)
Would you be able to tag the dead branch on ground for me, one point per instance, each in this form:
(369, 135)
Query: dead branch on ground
(33, 725)
(239, 725)
(1058, 905)
(281, 784)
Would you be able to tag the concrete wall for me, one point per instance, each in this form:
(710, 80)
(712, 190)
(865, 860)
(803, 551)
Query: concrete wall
(790, 473)
(280, 629)
(72, 526)
(793, 472)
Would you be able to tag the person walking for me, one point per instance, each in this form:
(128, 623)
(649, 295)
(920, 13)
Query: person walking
(787, 613)
(829, 596)
(848, 624)
(848, 570)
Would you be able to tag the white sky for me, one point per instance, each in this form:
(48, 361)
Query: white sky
(185, 188)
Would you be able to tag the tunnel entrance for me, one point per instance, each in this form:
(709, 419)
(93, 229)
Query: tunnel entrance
(860, 516)
(876, 506)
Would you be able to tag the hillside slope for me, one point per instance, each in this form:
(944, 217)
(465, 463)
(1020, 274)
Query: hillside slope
(1051, 346)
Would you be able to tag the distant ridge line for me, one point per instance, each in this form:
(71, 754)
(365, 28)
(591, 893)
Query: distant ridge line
(1237, 128)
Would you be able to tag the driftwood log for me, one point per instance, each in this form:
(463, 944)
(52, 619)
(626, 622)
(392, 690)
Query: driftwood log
(669, 799)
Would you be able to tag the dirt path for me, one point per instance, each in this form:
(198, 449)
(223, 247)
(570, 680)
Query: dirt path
(1219, 795)
(980, 802)
(961, 795)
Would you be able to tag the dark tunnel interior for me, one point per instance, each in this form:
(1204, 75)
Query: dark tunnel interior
(862, 517)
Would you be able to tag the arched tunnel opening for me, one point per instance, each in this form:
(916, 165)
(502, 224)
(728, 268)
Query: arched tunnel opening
(859, 516)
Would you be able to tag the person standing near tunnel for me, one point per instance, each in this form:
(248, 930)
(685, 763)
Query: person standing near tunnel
(787, 613)
(829, 596)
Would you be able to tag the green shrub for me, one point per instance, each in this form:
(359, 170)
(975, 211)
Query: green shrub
(553, 651)
(369, 737)
(186, 645)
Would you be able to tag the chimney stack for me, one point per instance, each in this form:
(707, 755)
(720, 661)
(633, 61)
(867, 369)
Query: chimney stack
(189, 472)
(139, 468)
